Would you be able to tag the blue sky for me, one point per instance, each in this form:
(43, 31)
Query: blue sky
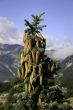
(58, 18)
(58, 15)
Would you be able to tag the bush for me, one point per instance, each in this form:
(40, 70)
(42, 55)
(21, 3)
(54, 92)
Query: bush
(4, 86)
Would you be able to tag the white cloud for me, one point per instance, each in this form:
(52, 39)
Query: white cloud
(62, 49)
(53, 43)
(8, 32)
(10, 35)
(64, 52)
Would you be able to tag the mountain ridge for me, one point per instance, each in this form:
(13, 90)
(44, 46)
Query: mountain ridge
(9, 55)
(9, 60)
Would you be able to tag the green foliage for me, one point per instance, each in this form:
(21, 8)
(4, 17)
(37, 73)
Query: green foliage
(12, 97)
(16, 80)
(1, 106)
(69, 85)
(4, 87)
(19, 100)
(34, 26)
(52, 98)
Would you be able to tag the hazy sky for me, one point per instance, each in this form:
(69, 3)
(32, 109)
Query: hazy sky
(58, 15)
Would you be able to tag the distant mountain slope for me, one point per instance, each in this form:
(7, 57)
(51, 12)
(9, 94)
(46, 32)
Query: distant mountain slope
(9, 60)
(67, 70)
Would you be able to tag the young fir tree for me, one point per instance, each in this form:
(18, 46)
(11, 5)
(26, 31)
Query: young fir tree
(39, 71)
(42, 90)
